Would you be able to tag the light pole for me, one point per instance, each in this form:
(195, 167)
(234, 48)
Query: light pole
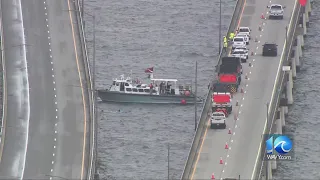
(266, 160)
(220, 28)
(195, 98)
(168, 161)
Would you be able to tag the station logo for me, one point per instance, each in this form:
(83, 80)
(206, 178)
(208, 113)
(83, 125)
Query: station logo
(279, 147)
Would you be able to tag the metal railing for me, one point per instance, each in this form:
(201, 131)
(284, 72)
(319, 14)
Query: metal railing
(278, 86)
(4, 89)
(206, 107)
(90, 87)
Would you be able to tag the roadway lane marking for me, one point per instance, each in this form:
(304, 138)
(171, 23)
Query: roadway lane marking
(83, 99)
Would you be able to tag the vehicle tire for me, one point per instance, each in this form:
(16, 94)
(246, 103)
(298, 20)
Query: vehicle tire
(247, 57)
(224, 126)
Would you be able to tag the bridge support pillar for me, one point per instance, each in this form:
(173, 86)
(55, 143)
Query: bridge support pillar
(293, 68)
(269, 172)
(301, 41)
(297, 59)
(279, 126)
(282, 117)
(308, 7)
(286, 110)
(290, 79)
(289, 88)
(274, 165)
(304, 24)
(307, 17)
(299, 46)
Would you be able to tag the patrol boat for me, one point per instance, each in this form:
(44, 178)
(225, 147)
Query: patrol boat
(159, 91)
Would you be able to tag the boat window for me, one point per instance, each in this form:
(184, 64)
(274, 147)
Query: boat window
(135, 90)
(147, 90)
(128, 89)
(113, 83)
(126, 84)
(140, 90)
(117, 83)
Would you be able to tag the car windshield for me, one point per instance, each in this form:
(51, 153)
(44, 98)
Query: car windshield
(217, 115)
(244, 30)
(269, 45)
(276, 8)
(238, 52)
(238, 39)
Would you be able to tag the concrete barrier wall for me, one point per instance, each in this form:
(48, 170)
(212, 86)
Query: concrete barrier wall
(90, 90)
(277, 88)
(4, 90)
(204, 116)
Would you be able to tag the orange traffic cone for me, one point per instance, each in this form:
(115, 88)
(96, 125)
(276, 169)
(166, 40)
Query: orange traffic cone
(221, 161)
(237, 103)
(226, 146)
(262, 16)
(212, 176)
(241, 90)
(229, 132)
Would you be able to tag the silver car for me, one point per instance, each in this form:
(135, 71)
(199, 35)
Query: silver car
(240, 54)
(276, 11)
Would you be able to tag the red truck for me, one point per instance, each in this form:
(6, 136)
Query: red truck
(222, 101)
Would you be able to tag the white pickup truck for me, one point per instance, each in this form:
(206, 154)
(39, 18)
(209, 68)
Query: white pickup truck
(218, 120)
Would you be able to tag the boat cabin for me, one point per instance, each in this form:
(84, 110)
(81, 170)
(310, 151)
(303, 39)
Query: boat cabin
(156, 87)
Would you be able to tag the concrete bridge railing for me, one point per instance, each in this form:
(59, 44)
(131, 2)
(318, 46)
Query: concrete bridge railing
(90, 89)
(3, 87)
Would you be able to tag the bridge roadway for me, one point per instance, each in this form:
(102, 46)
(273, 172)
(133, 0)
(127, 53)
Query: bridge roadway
(244, 140)
(46, 133)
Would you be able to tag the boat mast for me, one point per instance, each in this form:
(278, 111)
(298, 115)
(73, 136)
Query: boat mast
(195, 98)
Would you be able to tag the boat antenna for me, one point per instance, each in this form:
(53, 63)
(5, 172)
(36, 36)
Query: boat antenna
(195, 98)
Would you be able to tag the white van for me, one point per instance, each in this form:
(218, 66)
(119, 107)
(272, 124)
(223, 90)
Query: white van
(238, 41)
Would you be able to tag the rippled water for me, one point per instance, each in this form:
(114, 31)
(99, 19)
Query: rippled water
(303, 120)
(171, 36)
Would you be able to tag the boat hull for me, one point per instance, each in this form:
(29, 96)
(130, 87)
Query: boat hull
(110, 96)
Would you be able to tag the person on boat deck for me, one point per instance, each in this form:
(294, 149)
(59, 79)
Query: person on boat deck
(151, 88)
(168, 87)
(162, 88)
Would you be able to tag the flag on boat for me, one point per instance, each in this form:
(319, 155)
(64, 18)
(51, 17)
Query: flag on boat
(149, 70)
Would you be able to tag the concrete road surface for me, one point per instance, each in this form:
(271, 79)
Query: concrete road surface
(245, 137)
(58, 111)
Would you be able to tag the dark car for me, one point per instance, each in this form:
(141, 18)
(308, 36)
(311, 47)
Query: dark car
(270, 49)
